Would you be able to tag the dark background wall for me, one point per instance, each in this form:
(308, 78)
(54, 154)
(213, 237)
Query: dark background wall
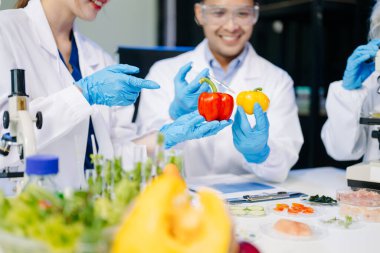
(316, 38)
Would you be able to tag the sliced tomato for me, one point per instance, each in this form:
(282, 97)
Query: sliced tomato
(308, 210)
(294, 211)
(284, 206)
(297, 205)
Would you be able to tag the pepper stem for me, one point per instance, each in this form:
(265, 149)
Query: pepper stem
(258, 89)
(209, 82)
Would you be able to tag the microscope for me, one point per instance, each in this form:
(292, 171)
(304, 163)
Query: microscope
(367, 174)
(20, 124)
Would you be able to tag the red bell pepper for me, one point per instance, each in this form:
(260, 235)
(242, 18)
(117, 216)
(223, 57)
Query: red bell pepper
(215, 105)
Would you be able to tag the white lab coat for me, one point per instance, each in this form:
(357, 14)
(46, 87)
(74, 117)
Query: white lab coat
(342, 135)
(217, 154)
(26, 42)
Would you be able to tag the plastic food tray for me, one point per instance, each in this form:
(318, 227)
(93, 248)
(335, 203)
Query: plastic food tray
(336, 224)
(251, 211)
(362, 204)
(317, 233)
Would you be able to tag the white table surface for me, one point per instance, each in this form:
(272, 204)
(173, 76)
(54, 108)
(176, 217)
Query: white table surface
(322, 181)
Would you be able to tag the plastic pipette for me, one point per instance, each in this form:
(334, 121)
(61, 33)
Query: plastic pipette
(214, 80)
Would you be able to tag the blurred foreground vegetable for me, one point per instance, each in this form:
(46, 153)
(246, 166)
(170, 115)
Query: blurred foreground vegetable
(64, 223)
(164, 220)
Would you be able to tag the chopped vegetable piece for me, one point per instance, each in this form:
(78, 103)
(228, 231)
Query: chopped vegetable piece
(322, 199)
(293, 211)
(239, 210)
(297, 205)
(295, 208)
(282, 205)
(346, 223)
(308, 210)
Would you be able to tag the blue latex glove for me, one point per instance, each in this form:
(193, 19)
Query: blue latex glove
(358, 69)
(251, 142)
(186, 94)
(113, 86)
(190, 126)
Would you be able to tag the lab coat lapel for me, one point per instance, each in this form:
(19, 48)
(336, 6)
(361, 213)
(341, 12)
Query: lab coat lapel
(88, 60)
(249, 73)
(199, 58)
(102, 132)
(45, 36)
(47, 42)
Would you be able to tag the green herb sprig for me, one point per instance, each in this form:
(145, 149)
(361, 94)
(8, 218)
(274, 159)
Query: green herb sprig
(346, 223)
(322, 199)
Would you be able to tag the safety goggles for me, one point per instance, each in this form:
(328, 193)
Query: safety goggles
(220, 15)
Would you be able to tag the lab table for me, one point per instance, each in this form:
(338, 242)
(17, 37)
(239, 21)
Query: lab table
(323, 181)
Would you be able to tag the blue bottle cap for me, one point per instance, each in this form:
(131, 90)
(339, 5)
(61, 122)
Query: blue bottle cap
(41, 165)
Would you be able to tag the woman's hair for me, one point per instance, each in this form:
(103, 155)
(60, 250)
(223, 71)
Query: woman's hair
(21, 3)
(374, 28)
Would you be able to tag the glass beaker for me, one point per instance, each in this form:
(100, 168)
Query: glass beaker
(139, 161)
(175, 156)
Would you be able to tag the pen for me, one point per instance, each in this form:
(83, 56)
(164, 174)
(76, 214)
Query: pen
(266, 197)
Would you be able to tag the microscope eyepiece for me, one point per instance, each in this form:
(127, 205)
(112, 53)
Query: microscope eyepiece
(18, 82)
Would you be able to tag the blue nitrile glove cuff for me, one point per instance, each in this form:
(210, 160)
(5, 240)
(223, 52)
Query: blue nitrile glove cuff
(176, 111)
(191, 126)
(360, 65)
(82, 84)
(169, 142)
(258, 157)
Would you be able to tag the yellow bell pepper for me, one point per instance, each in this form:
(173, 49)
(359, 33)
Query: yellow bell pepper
(247, 100)
(163, 220)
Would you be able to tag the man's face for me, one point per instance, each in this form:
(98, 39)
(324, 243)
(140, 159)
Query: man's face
(227, 25)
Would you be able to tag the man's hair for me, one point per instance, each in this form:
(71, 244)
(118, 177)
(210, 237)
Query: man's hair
(374, 29)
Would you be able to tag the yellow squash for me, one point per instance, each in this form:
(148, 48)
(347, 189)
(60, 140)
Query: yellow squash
(164, 220)
(247, 100)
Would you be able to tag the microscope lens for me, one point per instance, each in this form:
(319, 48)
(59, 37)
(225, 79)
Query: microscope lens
(18, 82)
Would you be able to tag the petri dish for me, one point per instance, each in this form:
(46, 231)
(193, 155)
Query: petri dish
(337, 222)
(247, 210)
(286, 213)
(360, 203)
(317, 233)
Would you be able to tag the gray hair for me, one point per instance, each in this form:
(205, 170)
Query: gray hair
(374, 28)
